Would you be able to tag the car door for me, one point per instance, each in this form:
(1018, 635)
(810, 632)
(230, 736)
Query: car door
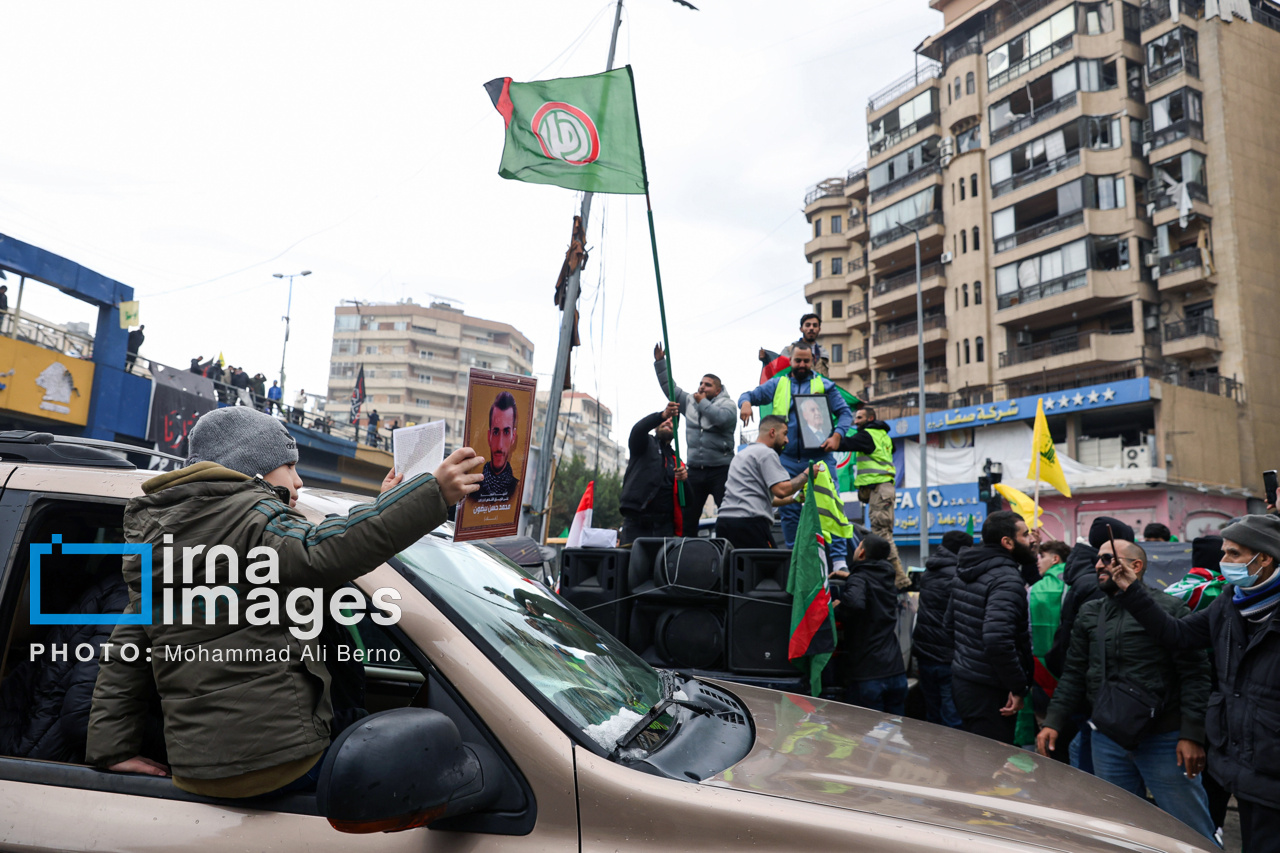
(68, 806)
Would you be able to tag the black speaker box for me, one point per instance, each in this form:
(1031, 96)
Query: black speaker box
(593, 580)
(759, 611)
(688, 636)
(677, 569)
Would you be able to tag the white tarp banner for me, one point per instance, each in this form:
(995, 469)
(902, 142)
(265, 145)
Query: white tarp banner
(1009, 444)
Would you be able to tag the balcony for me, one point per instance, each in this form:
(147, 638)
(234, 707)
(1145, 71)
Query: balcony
(1161, 196)
(899, 290)
(856, 316)
(1043, 229)
(889, 140)
(1166, 71)
(1203, 380)
(827, 242)
(1183, 269)
(1049, 110)
(1035, 292)
(932, 377)
(931, 70)
(1015, 15)
(892, 342)
(1032, 62)
(905, 181)
(1044, 170)
(856, 174)
(901, 280)
(828, 188)
(933, 217)
(1172, 133)
(1155, 11)
(1069, 352)
(1194, 337)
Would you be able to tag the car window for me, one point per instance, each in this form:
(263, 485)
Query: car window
(561, 656)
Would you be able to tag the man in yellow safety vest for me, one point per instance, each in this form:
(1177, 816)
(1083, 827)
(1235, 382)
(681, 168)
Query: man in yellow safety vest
(873, 454)
(780, 392)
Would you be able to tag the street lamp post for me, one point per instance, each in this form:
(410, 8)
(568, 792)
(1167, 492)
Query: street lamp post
(924, 451)
(288, 309)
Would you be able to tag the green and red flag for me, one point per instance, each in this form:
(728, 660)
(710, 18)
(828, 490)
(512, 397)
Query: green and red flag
(581, 133)
(813, 627)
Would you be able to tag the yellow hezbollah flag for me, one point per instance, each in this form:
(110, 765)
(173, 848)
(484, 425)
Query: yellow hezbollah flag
(1021, 504)
(1044, 459)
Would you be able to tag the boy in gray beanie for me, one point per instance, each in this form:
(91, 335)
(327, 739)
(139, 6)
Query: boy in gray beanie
(263, 723)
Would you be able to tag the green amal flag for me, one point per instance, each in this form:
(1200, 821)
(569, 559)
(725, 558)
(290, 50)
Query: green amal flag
(813, 627)
(581, 133)
(968, 525)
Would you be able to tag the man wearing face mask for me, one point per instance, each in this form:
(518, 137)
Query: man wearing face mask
(992, 667)
(1109, 646)
(1243, 720)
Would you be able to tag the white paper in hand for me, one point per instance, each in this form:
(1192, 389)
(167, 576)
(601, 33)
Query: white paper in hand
(418, 449)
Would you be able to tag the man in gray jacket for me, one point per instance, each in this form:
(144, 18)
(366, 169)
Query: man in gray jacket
(710, 416)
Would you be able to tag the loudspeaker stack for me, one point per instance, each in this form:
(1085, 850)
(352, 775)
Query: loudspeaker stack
(759, 611)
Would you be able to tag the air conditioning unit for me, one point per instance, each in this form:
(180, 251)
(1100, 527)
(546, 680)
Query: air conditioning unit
(1023, 338)
(947, 257)
(1151, 259)
(1138, 456)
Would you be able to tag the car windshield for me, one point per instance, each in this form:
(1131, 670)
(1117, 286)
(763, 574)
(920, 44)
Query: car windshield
(593, 679)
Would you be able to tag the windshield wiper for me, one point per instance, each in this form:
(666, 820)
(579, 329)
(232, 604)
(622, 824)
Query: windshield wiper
(647, 720)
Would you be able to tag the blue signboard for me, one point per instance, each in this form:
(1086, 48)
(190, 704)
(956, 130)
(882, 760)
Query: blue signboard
(1122, 393)
(949, 509)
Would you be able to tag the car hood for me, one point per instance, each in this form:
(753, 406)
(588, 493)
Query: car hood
(852, 758)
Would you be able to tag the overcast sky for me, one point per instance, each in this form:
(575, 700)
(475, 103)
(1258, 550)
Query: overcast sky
(191, 150)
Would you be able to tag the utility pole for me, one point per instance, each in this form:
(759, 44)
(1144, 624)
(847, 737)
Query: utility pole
(287, 311)
(572, 288)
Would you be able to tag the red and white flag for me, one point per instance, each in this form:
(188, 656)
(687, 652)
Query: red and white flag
(582, 518)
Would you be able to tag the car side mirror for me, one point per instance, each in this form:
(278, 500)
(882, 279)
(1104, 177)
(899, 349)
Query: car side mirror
(403, 768)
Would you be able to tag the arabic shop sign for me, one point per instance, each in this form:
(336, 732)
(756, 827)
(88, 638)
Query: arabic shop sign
(949, 509)
(1122, 393)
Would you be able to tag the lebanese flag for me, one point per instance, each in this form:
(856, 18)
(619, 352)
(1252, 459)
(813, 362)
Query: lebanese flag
(582, 518)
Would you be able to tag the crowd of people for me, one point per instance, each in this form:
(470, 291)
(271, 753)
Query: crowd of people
(1043, 644)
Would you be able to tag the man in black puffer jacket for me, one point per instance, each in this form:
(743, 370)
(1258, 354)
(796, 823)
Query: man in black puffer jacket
(1082, 583)
(992, 668)
(931, 641)
(869, 610)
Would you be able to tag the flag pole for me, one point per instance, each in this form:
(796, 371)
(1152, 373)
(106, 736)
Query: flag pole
(1035, 503)
(542, 477)
(657, 274)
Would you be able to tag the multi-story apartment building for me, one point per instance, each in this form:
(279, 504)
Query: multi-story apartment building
(1089, 183)
(417, 358)
(583, 430)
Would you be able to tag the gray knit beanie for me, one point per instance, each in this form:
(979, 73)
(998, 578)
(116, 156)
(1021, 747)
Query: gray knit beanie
(1257, 533)
(242, 439)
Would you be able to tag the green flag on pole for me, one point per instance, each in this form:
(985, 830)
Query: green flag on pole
(968, 525)
(813, 627)
(580, 133)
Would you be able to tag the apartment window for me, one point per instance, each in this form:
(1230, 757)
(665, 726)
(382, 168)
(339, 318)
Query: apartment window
(426, 353)
(1106, 192)
(370, 350)
(1097, 18)
(962, 189)
(837, 266)
(975, 238)
(1111, 253)
(371, 373)
(969, 140)
(1172, 52)
(970, 83)
(977, 293)
(1054, 271)
(896, 123)
(817, 269)
(346, 322)
(1015, 57)
(965, 290)
(837, 224)
(837, 353)
(817, 309)
(397, 350)
(979, 350)
(959, 353)
(400, 326)
(837, 309)
(973, 185)
(966, 350)
(898, 167)
(1175, 116)
(393, 398)
(1101, 132)
(1170, 177)
(397, 374)
(817, 227)
(957, 88)
(343, 346)
(908, 211)
(964, 242)
(1095, 75)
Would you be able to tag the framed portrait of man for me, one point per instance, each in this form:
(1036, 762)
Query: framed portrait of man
(813, 414)
(499, 426)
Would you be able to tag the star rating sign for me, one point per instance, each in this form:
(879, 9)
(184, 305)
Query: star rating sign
(1063, 402)
(1049, 404)
(1078, 399)
(1108, 395)
(1093, 396)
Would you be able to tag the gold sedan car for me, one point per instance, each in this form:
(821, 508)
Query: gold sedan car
(505, 720)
